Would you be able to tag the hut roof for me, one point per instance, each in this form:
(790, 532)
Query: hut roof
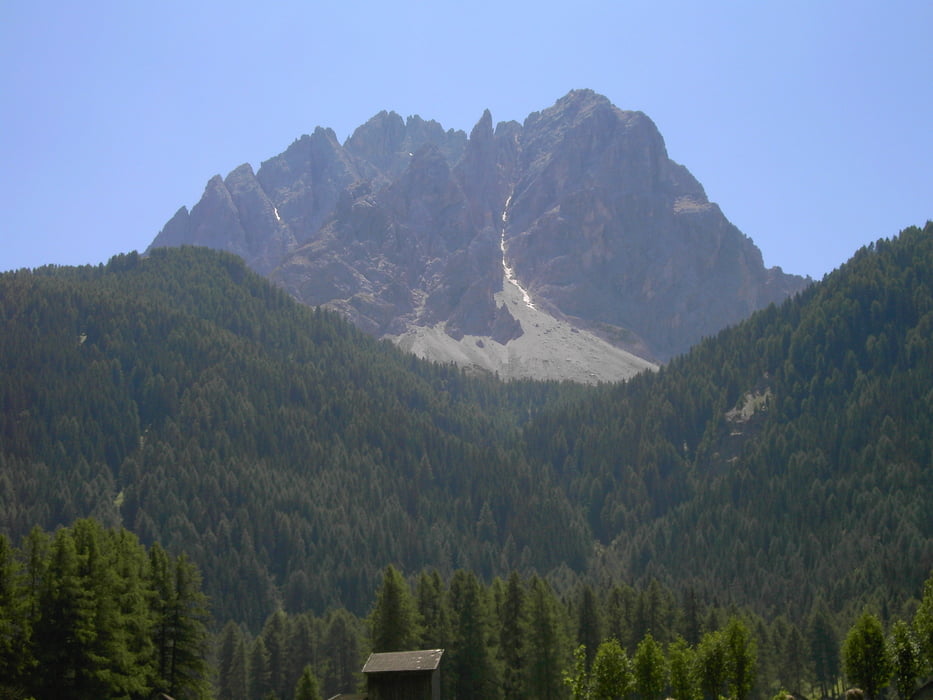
(423, 660)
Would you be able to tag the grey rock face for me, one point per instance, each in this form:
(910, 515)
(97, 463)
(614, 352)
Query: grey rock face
(409, 226)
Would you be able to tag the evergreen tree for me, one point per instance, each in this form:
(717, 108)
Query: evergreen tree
(546, 642)
(15, 630)
(793, 658)
(65, 630)
(589, 632)
(472, 670)
(274, 634)
(865, 656)
(434, 611)
(260, 681)
(394, 619)
(824, 649)
(513, 630)
(342, 649)
(181, 617)
(303, 648)
(307, 686)
(232, 669)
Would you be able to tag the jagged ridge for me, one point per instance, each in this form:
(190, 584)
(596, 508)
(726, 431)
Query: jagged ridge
(407, 226)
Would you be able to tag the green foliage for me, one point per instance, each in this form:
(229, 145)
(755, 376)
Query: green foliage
(906, 663)
(923, 624)
(307, 687)
(865, 656)
(680, 659)
(577, 677)
(84, 620)
(741, 659)
(824, 649)
(611, 677)
(711, 665)
(650, 669)
(291, 458)
(287, 453)
(473, 673)
(775, 455)
(396, 624)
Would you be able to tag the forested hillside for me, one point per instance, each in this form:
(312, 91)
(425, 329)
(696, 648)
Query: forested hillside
(784, 462)
(286, 453)
(787, 457)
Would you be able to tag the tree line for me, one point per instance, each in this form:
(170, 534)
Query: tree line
(89, 612)
(521, 637)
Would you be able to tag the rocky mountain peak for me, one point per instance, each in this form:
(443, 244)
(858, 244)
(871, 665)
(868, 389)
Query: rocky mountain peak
(467, 248)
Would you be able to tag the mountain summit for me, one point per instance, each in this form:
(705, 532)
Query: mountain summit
(569, 246)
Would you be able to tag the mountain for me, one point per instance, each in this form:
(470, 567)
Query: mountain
(292, 456)
(575, 224)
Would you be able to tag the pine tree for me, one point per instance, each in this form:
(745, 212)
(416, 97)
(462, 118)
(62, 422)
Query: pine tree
(232, 678)
(342, 649)
(472, 671)
(307, 686)
(260, 683)
(180, 617)
(274, 634)
(394, 619)
(824, 649)
(434, 611)
(513, 631)
(15, 630)
(589, 627)
(64, 631)
(546, 642)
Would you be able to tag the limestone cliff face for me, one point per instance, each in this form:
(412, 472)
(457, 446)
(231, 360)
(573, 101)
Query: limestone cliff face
(408, 226)
(607, 228)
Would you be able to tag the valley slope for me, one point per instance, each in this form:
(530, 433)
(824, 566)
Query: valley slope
(293, 457)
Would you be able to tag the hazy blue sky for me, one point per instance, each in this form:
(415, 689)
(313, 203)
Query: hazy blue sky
(809, 123)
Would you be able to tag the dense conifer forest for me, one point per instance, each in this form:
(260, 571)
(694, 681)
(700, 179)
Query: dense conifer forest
(761, 503)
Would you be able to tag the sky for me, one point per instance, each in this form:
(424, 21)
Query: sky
(809, 123)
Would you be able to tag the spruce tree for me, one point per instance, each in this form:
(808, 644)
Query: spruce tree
(307, 686)
(394, 619)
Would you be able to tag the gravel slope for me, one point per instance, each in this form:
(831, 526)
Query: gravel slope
(548, 348)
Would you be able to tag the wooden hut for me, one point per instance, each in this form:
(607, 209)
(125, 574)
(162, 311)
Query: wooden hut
(404, 675)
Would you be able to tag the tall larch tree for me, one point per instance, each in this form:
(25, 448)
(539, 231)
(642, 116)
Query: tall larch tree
(395, 622)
